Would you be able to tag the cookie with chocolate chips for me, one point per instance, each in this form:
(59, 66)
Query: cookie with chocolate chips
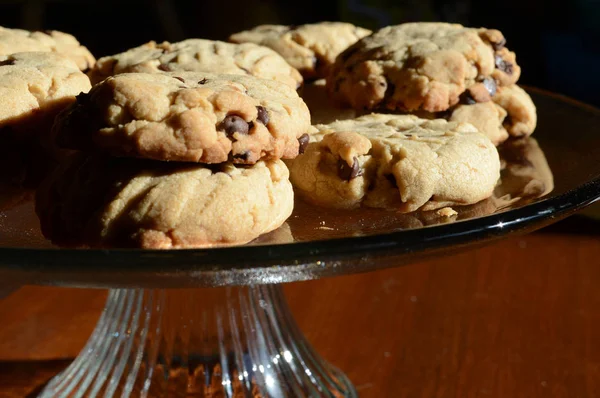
(18, 40)
(187, 117)
(99, 201)
(396, 161)
(511, 113)
(199, 55)
(422, 67)
(310, 48)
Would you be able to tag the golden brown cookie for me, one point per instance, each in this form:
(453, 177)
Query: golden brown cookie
(396, 161)
(421, 66)
(99, 201)
(199, 55)
(310, 48)
(187, 117)
(18, 40)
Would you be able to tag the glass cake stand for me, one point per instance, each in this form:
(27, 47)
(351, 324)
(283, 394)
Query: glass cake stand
(214, 322)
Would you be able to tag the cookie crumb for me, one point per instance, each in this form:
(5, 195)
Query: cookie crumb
(446, 212)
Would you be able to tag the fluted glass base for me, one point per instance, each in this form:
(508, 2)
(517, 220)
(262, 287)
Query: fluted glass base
(221, 342)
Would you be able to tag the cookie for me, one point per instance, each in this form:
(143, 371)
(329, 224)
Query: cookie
(521, 118)
(487, 117)
(322, 110)
(396, 161)
(421, 66)
(34, 88)
(197, 55)
(187, 116)
(310, 48)
(18, 40)
(98, 201)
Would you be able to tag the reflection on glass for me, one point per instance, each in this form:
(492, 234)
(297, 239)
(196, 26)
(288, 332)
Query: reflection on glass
(525, 174)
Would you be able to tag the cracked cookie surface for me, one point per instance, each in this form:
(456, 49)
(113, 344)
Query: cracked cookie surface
(310, 48)
(99, 201)
(187, 116)
(421, 66)
(18, 40)
(199, 55)
(396, 161)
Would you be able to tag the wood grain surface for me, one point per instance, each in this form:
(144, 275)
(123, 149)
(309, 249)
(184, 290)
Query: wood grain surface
(520, 318)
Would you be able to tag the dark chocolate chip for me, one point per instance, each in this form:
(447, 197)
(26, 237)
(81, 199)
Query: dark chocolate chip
(467, 99)
(179, 78)
(7, 62)
(503, 65)
(263, 115)
(303, 141)
(203, 81)
(499, 45)
(346, 172)
(242, 156)
(490, 85)
(164, 67)
(390, 90)
(83, 98)
(442, 115)
(234, 124)
(392, 180)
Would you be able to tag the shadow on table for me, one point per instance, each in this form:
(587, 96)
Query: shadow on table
(28, 378)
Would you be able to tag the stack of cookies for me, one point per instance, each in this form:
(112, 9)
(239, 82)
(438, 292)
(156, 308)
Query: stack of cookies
(174, 160)
(444, 96)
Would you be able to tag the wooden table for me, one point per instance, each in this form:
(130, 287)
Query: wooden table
(520, 318)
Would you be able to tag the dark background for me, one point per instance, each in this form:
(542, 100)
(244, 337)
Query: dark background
(557, 42)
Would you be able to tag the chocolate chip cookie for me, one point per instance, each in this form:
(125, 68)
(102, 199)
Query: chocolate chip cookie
(187, 117)
(197, 55)
(18, 40)
(511, 113)
(422, 66)
(310, 48)
(396, 161)
(98, 201)
(521, 118)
